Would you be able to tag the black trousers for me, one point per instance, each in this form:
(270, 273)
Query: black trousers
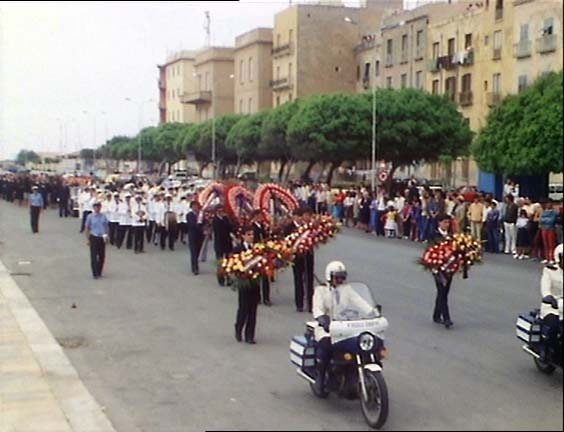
(113, 232)
(441, 302)
(149, 231)
(171, 234)
(195, 245)
(265, 288)
(219, 255)
(64, 208)
(247, 311)
(303, 278)
(139, 232)
(97, 255)
(121, 232)
(34, 213)
(182, 232)
(83, 221)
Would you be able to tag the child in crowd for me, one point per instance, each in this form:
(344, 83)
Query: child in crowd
(523, 240)
(391, 224)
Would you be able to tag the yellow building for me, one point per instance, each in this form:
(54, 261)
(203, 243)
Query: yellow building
(213, 74)
(175, 79)
(253, 71)
(313, 47)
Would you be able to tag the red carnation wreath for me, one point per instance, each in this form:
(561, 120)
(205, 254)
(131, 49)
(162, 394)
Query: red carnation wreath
(239, 202)
(266, 192)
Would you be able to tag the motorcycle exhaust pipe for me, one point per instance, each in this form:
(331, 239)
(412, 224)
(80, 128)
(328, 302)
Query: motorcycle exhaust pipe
(304, 376)
(529, 351)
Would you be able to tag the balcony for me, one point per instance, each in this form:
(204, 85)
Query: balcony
(465, 98)
(196, 98)
(546, 43)
(389, 60)
(493, 98)
(282, 50)
(522, 49)
(162, 84)
(281, 84)
(499, 13)
(447, 62)
(403, 57)
(433, 65)
(496, 54)
(469, 57)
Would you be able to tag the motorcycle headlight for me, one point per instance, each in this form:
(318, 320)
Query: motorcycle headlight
(366, 341)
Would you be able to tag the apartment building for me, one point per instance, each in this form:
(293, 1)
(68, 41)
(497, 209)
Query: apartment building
(213, 83)
(313, 47)
(175, 79)
(253, 71)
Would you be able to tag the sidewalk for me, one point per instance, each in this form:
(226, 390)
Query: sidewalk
(40, 391)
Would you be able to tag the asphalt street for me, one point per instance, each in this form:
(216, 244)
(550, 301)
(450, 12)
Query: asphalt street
(155, 345)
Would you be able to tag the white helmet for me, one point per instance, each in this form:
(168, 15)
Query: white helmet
(559, 250)
(335, 268)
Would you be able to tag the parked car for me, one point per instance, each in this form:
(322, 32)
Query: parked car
(555, 191)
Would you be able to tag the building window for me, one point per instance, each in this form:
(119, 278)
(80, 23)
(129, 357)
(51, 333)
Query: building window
(435, 50)
(419, 38)
(522, 83)
(404, 43)
(451, 47)
(524, 33)
(468, 41)
(486, 85)
(241, 71)
(377, 68)
(435, 89)
(450, 88)
(496, 83)
(207, 81)
(548, 28)
(250, 68)
(277, 100)
(389, 82)
(366, 76)
(418, 80)
(403, 80)
(250, 106)
(358, 72)
(466, 83)
(290, 97)
(290, 35)
(497, 40)
(241, 106)
(277, 72)
(290, 72)
(278, 40)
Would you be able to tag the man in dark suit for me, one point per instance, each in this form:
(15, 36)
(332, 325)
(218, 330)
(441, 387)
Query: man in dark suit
(261, 236)
(443, 280)
(249, 292)
(222, 242)
(63, 196)
(195, 235)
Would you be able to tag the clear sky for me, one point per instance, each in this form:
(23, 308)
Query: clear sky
(68, 66)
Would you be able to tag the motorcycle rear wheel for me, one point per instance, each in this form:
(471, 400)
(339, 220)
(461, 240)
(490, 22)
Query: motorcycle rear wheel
(375, 410)
(545, 368)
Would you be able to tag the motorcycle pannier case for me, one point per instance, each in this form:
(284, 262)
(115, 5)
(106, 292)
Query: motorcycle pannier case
(528, 329)
(301, 354)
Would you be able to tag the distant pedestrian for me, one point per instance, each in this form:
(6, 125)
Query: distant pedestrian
(35, 205)
(97, 227)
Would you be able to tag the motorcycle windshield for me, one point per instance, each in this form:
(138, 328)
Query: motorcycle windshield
(356, 303)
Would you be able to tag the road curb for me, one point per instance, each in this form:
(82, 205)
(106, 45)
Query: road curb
(79, 407)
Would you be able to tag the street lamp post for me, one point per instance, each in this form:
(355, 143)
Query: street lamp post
(373, 78)
(139, 126)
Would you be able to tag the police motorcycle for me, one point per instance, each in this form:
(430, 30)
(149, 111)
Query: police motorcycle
(357, 351)
(532, 330)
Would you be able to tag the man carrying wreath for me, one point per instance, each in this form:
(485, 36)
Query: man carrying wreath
(443, 279)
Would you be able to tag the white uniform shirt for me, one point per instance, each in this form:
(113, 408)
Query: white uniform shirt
(89, 203)
(182, 209)
(113, 211)
(106, 208)
(166, 207)
(137, 219)
(333, 301)
(157, 210)
(551, 284)
(125, 212)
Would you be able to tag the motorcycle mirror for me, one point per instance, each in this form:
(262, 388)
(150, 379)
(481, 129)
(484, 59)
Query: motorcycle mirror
(379, 308)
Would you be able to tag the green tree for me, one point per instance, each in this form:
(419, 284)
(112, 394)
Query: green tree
(523, 135)
(331, 128)
(274, 143)
(413, 126)
(244, 138)
(27, 156)
(166, 139)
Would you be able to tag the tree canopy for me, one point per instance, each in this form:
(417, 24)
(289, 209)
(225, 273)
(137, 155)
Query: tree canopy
(523, 135)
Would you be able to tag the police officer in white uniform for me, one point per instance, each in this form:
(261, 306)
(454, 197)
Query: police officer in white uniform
(139, 217)
(551, 310)
(125, 214)
(328, 302)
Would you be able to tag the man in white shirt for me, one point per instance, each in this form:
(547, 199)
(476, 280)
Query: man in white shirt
(113, 217)
(139, 218)
(125, 216)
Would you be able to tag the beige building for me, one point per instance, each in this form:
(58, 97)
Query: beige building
(253, 71)
(175, 79)
(312, 48)
(212, 93)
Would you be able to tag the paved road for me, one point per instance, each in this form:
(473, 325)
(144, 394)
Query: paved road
(158, 349)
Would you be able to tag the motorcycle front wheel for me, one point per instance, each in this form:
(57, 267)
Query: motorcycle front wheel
(545, 368)
(375, 409)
